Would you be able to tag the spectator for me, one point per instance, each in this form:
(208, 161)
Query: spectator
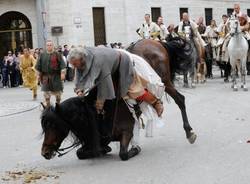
(19, 80)
(11, 60)
(5, 71)
(65, 51)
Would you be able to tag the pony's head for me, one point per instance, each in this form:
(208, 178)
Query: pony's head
(55, 130)
(234, 25)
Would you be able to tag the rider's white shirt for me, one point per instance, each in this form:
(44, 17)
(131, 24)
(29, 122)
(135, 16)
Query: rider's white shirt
(210, 32)
(155, 86)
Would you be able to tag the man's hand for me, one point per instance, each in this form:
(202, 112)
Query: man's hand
(99, 106)
(62, 76)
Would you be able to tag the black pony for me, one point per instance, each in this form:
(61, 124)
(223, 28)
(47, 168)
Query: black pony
(78, 116)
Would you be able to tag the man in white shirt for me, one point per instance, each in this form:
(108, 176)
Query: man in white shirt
(149, 29)
(163, 29)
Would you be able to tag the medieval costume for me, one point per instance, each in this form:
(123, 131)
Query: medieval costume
(149, 31)
(189, 29)
(27, 68)
(100, 64)
(153, 83)
(163, 32)
(222, 30)
(211, 36)
(50, 67)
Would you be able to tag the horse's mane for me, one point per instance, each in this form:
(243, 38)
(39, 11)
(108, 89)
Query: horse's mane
(180, 53)
(74, 116)
(50, 120)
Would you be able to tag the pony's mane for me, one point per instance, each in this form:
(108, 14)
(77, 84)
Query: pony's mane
(47, 117)
(76, 116)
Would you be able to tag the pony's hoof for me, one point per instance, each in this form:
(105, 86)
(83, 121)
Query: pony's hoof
(193, 85)
(124, 156)
(226, 80)
(186, 86)
(245, 89)
(192, 138)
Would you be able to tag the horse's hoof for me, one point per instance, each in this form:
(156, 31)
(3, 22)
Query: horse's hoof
(245, 89)
(192, 138)
(226, 80)
(193, 86)
(185, 86)
(124, 156)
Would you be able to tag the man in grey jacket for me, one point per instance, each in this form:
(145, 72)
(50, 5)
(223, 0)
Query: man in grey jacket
(95, 64)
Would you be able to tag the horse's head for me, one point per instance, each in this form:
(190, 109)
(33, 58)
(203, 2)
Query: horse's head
(234, 25)
(55, 131)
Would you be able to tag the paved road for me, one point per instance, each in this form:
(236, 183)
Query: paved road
(219, 116)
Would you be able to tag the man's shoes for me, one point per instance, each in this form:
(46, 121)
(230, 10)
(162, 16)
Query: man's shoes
(106, 149)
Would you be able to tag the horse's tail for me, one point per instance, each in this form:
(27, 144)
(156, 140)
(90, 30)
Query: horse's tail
(180, 53)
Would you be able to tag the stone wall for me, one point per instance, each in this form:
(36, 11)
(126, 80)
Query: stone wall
(122, 17)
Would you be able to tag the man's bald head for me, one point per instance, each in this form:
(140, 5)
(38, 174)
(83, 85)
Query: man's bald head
(185, 16)
(237, 8)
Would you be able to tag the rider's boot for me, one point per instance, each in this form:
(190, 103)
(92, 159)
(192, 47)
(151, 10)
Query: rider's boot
(152, 100)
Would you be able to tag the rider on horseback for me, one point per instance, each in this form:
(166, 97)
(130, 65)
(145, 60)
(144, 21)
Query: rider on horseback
(189, 29)
(149, 29)
(100, 64)
(245, 21)
(222, 31)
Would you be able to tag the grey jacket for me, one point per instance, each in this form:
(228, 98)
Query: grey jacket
(100, 62)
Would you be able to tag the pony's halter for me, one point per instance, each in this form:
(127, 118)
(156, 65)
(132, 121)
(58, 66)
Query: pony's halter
(69, 148)
(59, 150)
(235, 27)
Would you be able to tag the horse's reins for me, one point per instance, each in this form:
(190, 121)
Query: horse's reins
(73, 146)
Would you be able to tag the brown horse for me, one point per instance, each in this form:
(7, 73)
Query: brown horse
(163, 61)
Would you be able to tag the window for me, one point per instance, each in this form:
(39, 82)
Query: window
(248, 12)
(99, 26)
(230, 11)
(15, 32)
(183, 10)
(155, 13)
(208, 15)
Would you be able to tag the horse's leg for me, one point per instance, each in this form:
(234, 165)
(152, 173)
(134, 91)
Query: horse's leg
(198, 73)
(243, 73)
(180, 101)
(185, 80)
(234, 83)
(227, 71)
(124, 143)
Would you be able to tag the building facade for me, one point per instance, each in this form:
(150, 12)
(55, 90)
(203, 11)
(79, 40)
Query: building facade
(93, 22)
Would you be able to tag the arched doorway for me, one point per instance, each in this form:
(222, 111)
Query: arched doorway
(15, 32)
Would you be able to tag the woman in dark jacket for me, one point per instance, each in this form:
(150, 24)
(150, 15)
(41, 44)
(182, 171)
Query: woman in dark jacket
(5, 72)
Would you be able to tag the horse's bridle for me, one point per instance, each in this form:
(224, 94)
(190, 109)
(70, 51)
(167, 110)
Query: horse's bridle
(236, 29)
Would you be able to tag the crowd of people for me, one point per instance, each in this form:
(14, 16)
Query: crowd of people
(11, 71)
(214, 38)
